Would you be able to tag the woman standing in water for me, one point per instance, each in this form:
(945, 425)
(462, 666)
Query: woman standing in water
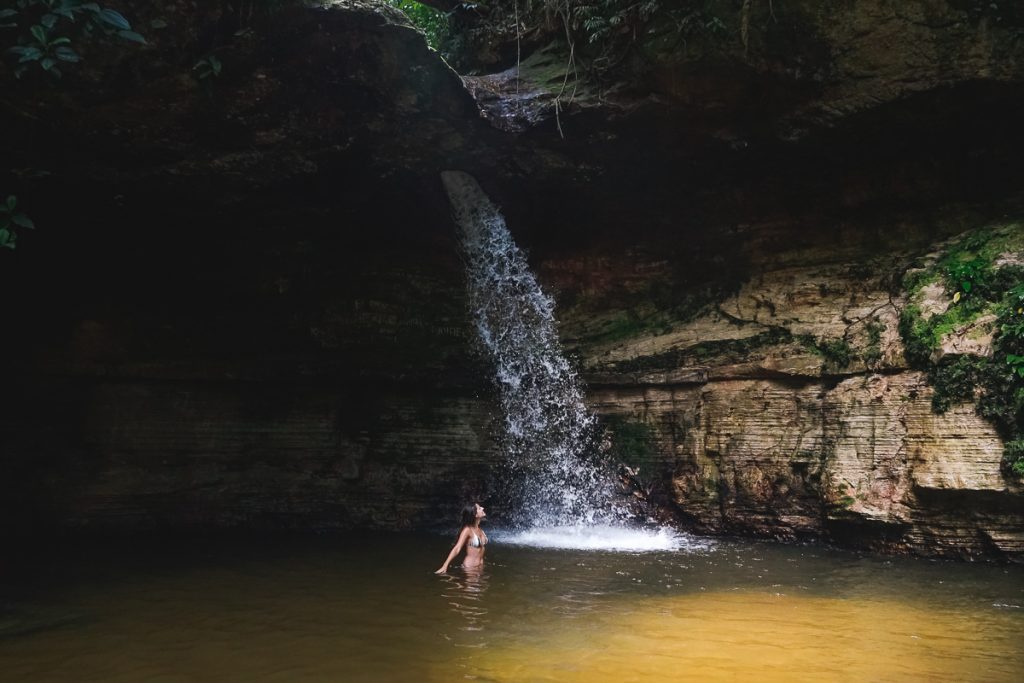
(471, 537)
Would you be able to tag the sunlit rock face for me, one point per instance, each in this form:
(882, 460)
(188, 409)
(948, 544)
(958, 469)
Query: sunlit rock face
(786, 408)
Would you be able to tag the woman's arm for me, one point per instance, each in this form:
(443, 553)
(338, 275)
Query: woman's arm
(455, 551)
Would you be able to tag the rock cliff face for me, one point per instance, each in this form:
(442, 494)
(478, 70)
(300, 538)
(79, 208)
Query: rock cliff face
(247, 309)
(787, 408)
(243, 306)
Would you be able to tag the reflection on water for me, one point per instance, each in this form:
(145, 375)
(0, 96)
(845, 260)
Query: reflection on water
(358, 609)
(764, 636)
(464, 589)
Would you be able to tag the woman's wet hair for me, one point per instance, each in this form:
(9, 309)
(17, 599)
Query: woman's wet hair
(469, 515)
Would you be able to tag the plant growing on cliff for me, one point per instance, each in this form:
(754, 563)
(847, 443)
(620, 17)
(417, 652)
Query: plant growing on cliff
(10, 221)
(837, 353)
(600, 19)
(43, 30)
(995, 383)
(613, 27)
(432, 22)
(207, 68)
(873, 352)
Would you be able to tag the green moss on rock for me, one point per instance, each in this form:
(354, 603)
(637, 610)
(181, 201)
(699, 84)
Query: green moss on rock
(983, 274)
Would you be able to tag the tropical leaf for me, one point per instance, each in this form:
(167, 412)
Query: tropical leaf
(32, 55)
(23, 221)
(132, 36)
(66, 54)
(39, 33)
(115, 19)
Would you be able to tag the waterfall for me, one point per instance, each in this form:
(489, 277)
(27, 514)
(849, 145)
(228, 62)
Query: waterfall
(549, 440)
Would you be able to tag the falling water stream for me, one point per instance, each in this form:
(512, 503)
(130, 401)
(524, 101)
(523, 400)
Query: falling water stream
(556, 479)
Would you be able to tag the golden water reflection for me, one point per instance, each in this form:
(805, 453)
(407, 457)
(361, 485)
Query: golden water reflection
(734, 636)
(372, 610)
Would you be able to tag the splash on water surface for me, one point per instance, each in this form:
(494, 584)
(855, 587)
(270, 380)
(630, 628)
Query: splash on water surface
(603, 537)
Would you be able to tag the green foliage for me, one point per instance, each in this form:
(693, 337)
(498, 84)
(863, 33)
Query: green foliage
(873, 351)
(10, 221)
(915, 280)
(433, 22)
(918, 337)
(995, 383)
(955, 382)
(837, 353)
(207, 68)
(43, 30)
(601, 19)
(614, 25)
(1014, 456)
(1016, 364)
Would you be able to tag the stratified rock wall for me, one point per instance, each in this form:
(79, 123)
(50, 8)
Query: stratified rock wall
(788, 410)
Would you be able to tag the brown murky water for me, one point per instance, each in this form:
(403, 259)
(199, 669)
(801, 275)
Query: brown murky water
(369, 609)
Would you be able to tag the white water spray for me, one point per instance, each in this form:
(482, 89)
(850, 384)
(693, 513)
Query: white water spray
(607, 538)
(549, 435)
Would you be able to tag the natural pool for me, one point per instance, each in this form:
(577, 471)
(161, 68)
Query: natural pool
(368, 608)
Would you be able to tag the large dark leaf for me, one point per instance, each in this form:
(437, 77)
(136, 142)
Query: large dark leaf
(30, 54)
(115, 19)
(132, 36)
(23, 221)
(39, 33)
(66, 54)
